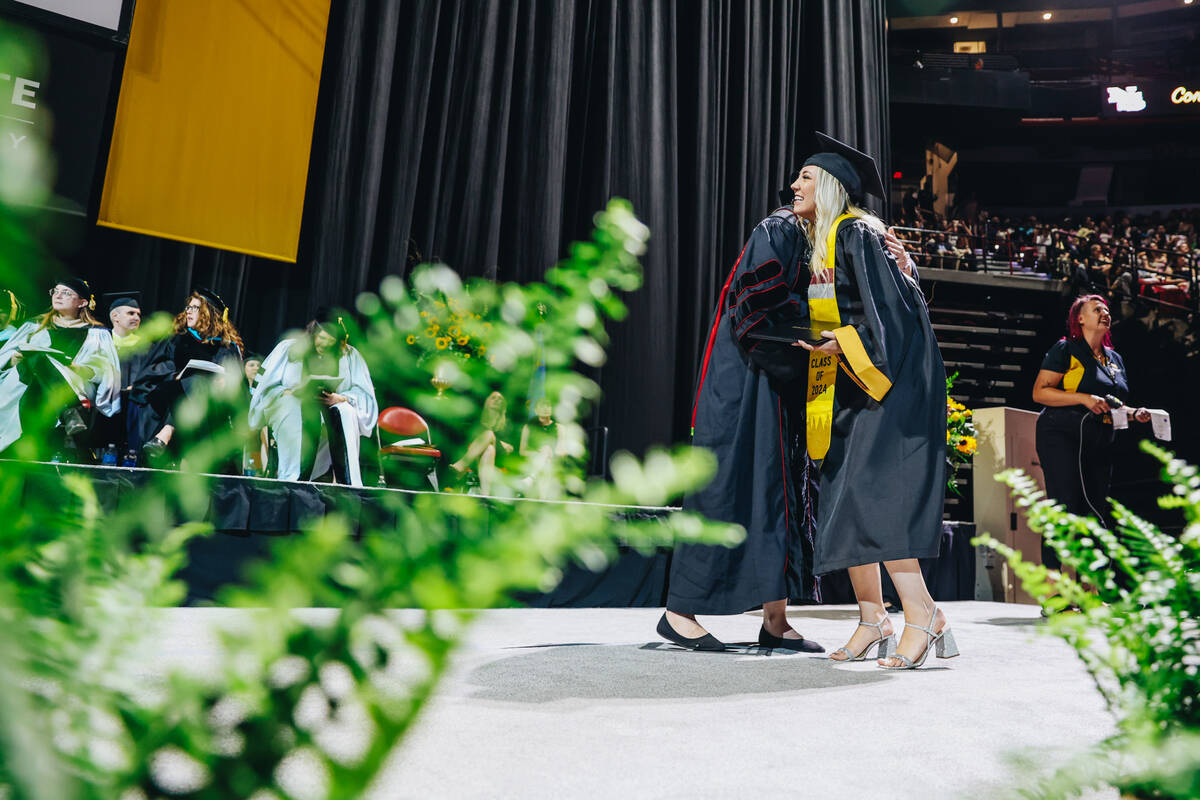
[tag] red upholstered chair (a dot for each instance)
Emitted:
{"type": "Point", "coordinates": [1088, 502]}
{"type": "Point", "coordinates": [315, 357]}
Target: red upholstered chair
{"type": "Point", "coordinates": [413, 444]}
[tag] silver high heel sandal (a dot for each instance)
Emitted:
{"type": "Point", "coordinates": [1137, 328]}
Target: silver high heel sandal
{"type": "Point", "coordinates": [942, 643]}
{"type": "Point", "coordinates": [886, 643]}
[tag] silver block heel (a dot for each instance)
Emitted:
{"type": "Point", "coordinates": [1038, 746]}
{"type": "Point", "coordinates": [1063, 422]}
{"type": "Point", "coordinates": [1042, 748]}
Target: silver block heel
{"type": "Point", "coordinates": [886, 644]}
{"type": "Point", "coordinates": [941, 643]}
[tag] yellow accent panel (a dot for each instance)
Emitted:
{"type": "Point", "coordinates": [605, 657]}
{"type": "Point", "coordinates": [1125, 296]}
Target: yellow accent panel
{"type": "Point", "coordinates": [214, 123]}
{"type": "Point", "coordinates": [1073, 375]}
{"type": "Point", "coordinates": [822, 367]}
{"type": "Point", "coordinates": [869, 376]}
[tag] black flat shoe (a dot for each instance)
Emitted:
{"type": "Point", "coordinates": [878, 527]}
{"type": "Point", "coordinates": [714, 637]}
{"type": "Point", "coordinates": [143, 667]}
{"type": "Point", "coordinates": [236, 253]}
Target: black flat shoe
{"type": "Point", "coordinates": [154, 453]}
{"type": "Point", "coordinates": [707, 642]}
{"type": "Point", "coordinates": [773, 642]}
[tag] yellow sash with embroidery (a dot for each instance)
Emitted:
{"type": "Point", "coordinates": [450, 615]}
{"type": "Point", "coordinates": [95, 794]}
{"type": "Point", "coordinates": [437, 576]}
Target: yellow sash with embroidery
{"type": "Point", "coordinates": [822, 367]}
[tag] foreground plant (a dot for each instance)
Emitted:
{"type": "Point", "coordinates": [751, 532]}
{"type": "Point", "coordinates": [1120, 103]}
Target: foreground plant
{"type": "Point", "coordinates": [302, 705]}
{"type": "Point", "coordinates": [1128, 602]}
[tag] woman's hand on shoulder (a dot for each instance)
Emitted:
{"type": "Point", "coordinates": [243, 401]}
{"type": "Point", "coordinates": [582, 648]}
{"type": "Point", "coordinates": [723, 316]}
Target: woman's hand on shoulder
{"type": "Point", "coordinates": [894, 246]}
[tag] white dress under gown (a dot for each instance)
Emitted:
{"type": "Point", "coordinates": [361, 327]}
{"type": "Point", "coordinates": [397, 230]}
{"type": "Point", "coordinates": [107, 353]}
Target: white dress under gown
{"type": "Point", "coordinates": [103, 388]}
{"type": "Point", "coordinates": [271, 405]}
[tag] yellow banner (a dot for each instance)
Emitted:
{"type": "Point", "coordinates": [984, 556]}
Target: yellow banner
{"type": "Point", "coordinates": [214, 123]}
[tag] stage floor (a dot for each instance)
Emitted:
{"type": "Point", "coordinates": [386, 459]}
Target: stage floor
{"type": "Point", "coordinates": [591, 703]}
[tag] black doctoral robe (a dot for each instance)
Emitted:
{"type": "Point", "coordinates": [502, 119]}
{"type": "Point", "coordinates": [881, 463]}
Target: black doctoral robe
{"type": "Point", "coordinates": [742, 415]}
{"type": "Point", "coordinates": [883, 481]}
{"type": "Point", "coordinates": [157, 391]}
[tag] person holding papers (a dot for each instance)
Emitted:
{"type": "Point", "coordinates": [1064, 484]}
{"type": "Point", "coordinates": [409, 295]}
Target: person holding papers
{"type": "Point", "coordinates": [63, 360]}
{"type": "Point", "coordinates": [203, 344]}
{"type": "Point", "coordinates": [315, 393]}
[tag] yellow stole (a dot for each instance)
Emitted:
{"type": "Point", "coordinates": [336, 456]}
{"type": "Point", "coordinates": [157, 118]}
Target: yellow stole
{"type": "Point", "coordinates": [822, 367]}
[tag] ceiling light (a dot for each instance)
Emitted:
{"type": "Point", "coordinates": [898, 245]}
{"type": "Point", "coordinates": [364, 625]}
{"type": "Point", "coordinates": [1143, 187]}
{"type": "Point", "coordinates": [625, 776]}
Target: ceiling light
{"type": "Point", "coordinates": [1187, 2]}
{"type": "Point", "coordinates": [954, 20]}
{"type": "Point", "coordinates": [1047, 15]}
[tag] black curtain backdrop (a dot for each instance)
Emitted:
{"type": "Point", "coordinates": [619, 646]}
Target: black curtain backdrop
{"type": "Point", "coordinates": [486, 133]}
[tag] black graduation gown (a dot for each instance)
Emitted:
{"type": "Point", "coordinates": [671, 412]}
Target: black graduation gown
{"type": "Point", "coordinates": [883, 481]}
{"type": "Point", "coordinates": [742, 416]}
{"type": "Point", "coordinates": [158, 391]}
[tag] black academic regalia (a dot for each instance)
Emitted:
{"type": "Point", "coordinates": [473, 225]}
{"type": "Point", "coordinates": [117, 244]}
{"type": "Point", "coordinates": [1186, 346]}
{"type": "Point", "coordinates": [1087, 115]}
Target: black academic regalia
{"type": "Point", "coordinates": [883, 481]}
{"type": "Point", "coordinates": [158, 391]}
{"type": "Point", "coordinates": [742, 416]}
{"type": "Point", "coordinates": [141, 372]}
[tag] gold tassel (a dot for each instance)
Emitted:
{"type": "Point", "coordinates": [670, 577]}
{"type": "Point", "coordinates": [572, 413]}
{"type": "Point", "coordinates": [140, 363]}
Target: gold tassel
{"type": "Point", "coordinates": [92, 302]}
{"type": "Point", "coordinates": [225, 314]}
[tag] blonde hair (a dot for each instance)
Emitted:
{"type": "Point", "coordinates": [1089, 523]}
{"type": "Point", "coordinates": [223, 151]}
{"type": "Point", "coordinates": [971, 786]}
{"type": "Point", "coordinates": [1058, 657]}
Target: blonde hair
{"type": "Point", "coordinates": [85, 314]}
{"type": "Point", "coordinates": [831, 201]}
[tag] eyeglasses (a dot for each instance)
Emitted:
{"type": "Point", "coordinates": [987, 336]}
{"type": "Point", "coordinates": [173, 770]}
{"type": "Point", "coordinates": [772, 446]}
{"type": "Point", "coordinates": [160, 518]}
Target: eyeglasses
{"type": "Point", "coordinates": [62, 293]}
{"type": "Point", "coordinates": [192, 307]}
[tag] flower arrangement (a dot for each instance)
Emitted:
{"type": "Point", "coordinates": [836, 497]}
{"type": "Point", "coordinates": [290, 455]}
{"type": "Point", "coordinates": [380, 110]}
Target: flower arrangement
{"type": "Point", "coordinates": [960, 435]}
{"type": "Point", "coordinates": [447, 328]}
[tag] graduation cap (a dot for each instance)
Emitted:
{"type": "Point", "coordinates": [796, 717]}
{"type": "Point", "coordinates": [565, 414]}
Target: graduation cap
{"type": "Point", "coordinates": [115, 300]}
{"type": "Point", "coordinates": [331, 323]}
{"type": "Point", "coordinates": [253, 356]}
{"type": "Point", "coordinates": [80, 287]}
{"type": "Point", "coordinates": [855, 170]}
{"type": "Point", "coordinates": [214, 300]}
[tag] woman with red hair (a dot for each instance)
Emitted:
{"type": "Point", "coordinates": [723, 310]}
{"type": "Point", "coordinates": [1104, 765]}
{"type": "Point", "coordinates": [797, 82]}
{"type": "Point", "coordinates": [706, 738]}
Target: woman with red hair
{"type": "Point", "coordinates": [1075, 430]}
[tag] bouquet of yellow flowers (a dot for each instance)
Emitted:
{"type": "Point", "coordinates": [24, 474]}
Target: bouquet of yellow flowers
{"type": "Point", "coordinates": [960, 436]}
{"type": "Point", "coordinates": [450, 329]}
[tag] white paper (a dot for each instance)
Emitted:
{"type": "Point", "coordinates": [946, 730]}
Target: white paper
{"type": "Point", "coordinates": [1120, 418]}
{"type": "Point", "coordinates": [1160, 421]}
{"type": "Point", "coordinates": [37, 348]}
{"type": "Point", "coordinates": [200, 365]}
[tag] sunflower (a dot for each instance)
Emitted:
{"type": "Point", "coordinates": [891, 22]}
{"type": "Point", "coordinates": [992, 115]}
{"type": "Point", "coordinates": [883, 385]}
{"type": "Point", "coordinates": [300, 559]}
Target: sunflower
{"type": "Point", "coordinates": [432, 330]}
{"type": "Point", "coordinates": [966, 445]}
{"type": "Point", "coordinates": [463, 340]}
{"type": "Point", "coordinates": [454, 331]}
{"type": "Point", "coordinates": [411, 339]}
{"type": "Point", "coordinates": [442, 342]}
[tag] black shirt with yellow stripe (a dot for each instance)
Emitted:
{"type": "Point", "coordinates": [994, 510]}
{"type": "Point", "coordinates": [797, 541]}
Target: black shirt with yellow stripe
{"type": "Point", "coordinates": [1083, 372]}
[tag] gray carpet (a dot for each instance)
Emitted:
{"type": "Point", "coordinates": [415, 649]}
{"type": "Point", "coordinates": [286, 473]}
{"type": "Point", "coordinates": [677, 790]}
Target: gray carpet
{"type": "Point", "coordinates": [590, 703]}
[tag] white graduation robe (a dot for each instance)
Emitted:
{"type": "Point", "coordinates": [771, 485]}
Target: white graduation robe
{"type": "Point", "coordinates": [271, 406]}
{"type": "Point", "coordinates": [103, 389]}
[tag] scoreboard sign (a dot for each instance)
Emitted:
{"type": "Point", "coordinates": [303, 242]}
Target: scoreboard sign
{"type": "Point", "coordinates": [1153, 98]}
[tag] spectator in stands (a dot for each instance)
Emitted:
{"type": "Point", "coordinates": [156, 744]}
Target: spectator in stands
{"type": "Point", "coordinates": [316, 395]}
{"type": "Point", "coordinates": [60, 362]}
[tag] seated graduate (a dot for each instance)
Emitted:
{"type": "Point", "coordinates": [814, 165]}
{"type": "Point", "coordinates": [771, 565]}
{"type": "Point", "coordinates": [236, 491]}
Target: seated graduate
{"type": "Point", "coordinates": [204, 334]}
{"type": "Point", "coordinates": [315, 393]}
{"type": "Point", "coordinates": [251, 366]}
{"type": "Point", "coordinates": [64, 361]}
{"type": "Point", "coordinates": [487, 443]}
{"type": "Point", "coordinates": [11, 312]}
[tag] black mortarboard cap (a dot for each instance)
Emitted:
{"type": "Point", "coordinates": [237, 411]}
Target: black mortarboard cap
{"type": "Point", "coordinates": [253, 356]}
{"type": "Point", "coordinates": [80, 287]}
{"type": "Point", "coordinates": [118, 299]}
{"type": "Point", "coordinates": [211, 297]}
{"type": "Point", "coordinates": [77, 285]}
{"type": "Point", "coordinates": [856, 171]}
